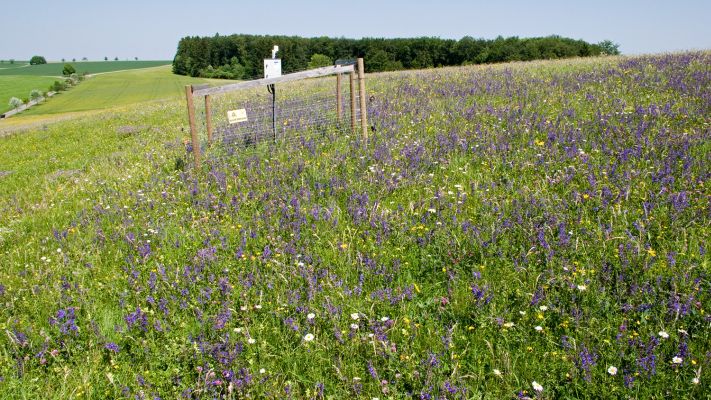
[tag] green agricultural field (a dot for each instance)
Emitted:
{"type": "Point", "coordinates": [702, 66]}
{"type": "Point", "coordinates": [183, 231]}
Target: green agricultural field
{"type": "Point", "coordinates": [117, 89]}
{"type": "Point", "coordinates": [16, 64]}
{"type": "Point", "coordinates": [527, 230]}
{"type": "Point", "coordinates": [90, 67]}
{"type": "Point", "coordinates": [20, 87]}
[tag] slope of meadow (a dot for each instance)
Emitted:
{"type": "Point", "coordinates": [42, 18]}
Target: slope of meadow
{"type": "Point", "coordinates": [523, 230]}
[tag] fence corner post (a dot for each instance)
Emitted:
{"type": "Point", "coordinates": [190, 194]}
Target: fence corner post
{"type": "Point", "coordinates": [363, 107]}
{"type": "Point", "coordinates": [193, 128]}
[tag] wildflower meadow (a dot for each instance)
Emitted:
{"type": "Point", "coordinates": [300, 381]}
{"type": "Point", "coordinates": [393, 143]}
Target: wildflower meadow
{"type": "Point", "coordinates": [526, 230]}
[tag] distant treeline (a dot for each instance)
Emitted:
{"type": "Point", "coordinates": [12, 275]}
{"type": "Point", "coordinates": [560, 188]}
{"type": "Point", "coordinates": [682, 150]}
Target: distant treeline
{"type": "Point", "coordinates": [240, 56]}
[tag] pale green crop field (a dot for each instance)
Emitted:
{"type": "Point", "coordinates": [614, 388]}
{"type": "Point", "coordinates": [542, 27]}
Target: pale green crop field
{"type": "Point", "coordinates": [117, 89]}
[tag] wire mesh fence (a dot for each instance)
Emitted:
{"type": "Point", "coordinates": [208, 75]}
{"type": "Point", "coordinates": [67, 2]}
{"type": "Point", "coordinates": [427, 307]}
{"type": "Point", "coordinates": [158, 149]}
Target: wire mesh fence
{"type": "Point", "coordinates": [284, 114]}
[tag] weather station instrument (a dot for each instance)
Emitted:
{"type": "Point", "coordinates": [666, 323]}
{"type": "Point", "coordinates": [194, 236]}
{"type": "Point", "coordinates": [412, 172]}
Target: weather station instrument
{"type": "Point", "coordinates": [272, 69]}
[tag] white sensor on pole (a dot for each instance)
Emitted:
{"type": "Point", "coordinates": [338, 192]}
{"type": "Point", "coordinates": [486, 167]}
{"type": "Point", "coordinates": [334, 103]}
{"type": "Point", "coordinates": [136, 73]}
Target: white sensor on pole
{"type": "Point", "coordinates": [272, 66]}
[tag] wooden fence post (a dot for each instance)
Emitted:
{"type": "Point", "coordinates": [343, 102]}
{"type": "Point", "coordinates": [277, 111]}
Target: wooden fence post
{"type": "Point", "coordinates": [193, 128]}
{"type": "Point", "coordinates": [353, 102]}
{"type": "Point", "coordinates": [339, 105]}
{"type": "Point", "coordinates": [363, 107]}
{"type": "Point", "coordinates": [208, 119]}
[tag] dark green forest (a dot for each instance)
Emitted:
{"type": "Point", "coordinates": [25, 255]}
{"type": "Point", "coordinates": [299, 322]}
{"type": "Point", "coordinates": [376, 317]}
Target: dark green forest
{"type": "Point", "coordinates": [240, 56]}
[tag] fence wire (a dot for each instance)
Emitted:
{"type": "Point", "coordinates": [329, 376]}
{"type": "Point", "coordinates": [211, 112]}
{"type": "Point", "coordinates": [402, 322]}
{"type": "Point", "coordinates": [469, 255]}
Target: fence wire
{"type": "Point", "coordinates": [304, 110]}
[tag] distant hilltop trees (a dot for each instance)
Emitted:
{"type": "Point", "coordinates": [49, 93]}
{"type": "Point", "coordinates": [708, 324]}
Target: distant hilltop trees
{"type": "Point", "coordinates": [36, 60]}
{"type": "Point", "coordinates": [240, 56]}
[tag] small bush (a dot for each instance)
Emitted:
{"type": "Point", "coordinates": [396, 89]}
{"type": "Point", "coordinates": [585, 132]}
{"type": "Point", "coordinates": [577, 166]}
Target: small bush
{"type": "Point", "coordinates": [68, 70]}
{"type": "Point", "coordinates": [58, 86]}
{"type": "Point", "coordinates": [36, 94]}
{"type": "Point", "coordinates": [319, 60]}
{"type": "Point", "coordinates": [15, 102]}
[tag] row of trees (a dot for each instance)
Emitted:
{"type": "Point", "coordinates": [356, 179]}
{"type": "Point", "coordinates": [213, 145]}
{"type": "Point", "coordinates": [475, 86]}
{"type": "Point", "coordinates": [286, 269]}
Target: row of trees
{"type": "Point", "coordinates": [71, 79]}
{"type": "Point", "coordinates": [240, 56]}
{"type": "Point", "coordinates": [37, 60]}
{"type": "Point", "coordinates": [35, 95]}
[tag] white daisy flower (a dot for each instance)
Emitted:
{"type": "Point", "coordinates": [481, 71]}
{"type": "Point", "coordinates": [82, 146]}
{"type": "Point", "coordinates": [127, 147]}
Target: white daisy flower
{"type": "Point", "coordinates": [537, 386]}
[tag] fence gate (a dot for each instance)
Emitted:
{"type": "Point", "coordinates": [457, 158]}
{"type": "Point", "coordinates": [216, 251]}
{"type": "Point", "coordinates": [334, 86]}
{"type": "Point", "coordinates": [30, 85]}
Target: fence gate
{"type": "Point", "coordinates": [283, 109]}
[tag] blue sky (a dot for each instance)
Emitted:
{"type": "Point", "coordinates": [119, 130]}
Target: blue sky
{"type": "Point", "coordinates": [151, 29]}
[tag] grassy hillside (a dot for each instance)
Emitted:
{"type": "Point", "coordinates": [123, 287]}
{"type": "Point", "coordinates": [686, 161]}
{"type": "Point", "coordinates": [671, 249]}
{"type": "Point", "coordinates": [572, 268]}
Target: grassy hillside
{"type": "Point", "coordinates": [20, 87]}
{"type": "Point", "coordinates": [524, 230]}
{"type": "Point", "coordinates": [90, 67]}
{"type": "Point", "coordinates": [117, 89]}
